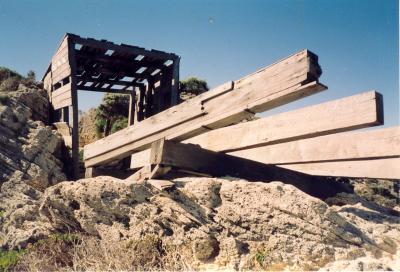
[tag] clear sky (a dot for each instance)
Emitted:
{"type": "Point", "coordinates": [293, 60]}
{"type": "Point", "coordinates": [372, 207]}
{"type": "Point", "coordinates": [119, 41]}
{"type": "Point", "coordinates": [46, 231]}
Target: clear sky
{"type": "Point", "coordinates": [357, 41]}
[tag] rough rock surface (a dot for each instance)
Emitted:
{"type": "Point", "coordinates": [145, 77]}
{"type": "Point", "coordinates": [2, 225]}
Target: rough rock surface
{"type": "Point", "coordinates": [87, 128]}
{"type": "Point", "coordinates": [232, 224]}
{"type": "Point", "coordinates": [28, 164]}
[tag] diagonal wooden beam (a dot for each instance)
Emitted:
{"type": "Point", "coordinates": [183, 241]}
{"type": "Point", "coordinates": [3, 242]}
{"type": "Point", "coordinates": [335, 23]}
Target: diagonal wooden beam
{"type": "Point", "coordinates": [280, 83]}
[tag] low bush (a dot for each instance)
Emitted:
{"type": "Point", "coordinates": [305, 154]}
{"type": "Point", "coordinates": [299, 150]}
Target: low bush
{"type": "Point", "coordinates": [8, 259]}
{"type": "Point", "coordinates": [72, 252]}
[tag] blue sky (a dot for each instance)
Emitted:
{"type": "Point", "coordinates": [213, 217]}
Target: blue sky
{"type": "Point", "coordinates": [220, 40]}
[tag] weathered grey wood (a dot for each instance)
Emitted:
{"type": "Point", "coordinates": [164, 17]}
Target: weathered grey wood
{"type": "Point", "coordinates": [140, 175]}
{"type": "Point", "coordinates": [122, 48]}
{"type": "Point", "coordinates": [380, 143]}
{"type": "Point", "coordinates": [175, 83]}
{"type": "Point", "coordinates": [61, 93]}
{"type": "Point", "coordinates": [387, 168]}
{"type": "Point", "coordinates": [349, 113]}
{"type": "Point", "coordinates": [193, 158]}
{"type": "Point", "coordinates": [150, 126]}
{"type": "Point", "coordinates": [271, 86]}
{"type": "Point", "coordinates": [132, 106]}
{"type": "Point", "coordinates": [74, 110]}
{"type": "Point", "coordinates": [62, 104]}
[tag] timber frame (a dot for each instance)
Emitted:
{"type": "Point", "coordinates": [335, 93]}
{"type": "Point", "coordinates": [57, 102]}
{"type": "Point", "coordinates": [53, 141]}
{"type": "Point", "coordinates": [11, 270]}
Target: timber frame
{"type": "Point", "coordinates": [150, 77]}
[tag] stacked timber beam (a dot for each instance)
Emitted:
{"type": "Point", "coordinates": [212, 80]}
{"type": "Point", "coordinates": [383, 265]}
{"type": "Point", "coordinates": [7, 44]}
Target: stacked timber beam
{"type": "Point", "coordinates": [282, 82]}
{"type": "Point", "coordinates": [299, 140]}
{"type": "Point", "coordinates": [204, 135]}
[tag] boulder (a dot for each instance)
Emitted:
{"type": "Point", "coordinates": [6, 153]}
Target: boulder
{"type": "Point", "coordinates": [232, 224]}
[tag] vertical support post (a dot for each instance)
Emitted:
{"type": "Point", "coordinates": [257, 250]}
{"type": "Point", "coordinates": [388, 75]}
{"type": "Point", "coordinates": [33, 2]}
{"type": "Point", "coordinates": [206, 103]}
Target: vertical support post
{"type": "Point", "coordinates": [132, 102]}
{"type": "Point", "coordinates": [74, 110]}
{"type": "Point", "coordinates": [149, 100]}
{"type": "Point", "coordinates": [175, 82]}
{"type": "Point", "coordinates": [139, 111]}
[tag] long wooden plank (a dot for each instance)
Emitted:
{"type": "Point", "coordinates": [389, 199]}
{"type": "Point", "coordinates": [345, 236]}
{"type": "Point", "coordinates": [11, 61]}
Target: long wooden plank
{"type": "Point", "coordinates": [380, 143]}
{"type": "Point", "coordinates": [375, 168]}
{"type": "Point", "coordinates": [60, 92]}
{"type": "Point", "coordinates": [283, 79]}
{"type": "Point", "coordinates": [176, 132]}
{"type": "Point", "coordinates": [64, 103]}
{"type": "Point", "coordinates": [159, 122]}
{"type": "Point", "coordinates": [192, 158]}
{"type": "Point", "coordinates": [353, 112]}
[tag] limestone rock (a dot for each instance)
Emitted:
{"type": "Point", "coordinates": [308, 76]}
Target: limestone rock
{"type": "Point", "coordinates": [231, 224]}
{"type": "Point", "coordinates": [29, 163]}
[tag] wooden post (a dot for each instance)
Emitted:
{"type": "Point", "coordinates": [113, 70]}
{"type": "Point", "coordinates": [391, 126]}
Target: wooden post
{"type": "Point", "coordinates": [149, 101]}
{"type": "Point", "coordinates": [74, 111]}
{"type": "Point", "coordinates": [175, 83]}
{"type": "Point", "coordinates": [140, 104]}
{"type": "Point", "coordinates": [132, 103]}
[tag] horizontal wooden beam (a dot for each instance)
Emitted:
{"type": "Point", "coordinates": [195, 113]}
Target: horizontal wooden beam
{"type": "Point", "coordinates": [388, 168]}
{"type": "Point", "coordinates": [380, 143]}
{"type": "Point", "coordinates": [118, 61]}
{"type": "Point", "coordinates": [194, 159]}
{"type": "Point", "coordinates": [105, 90]}
{"type": "Point", "coordinates": [122, 48]}
{"type": "Point", "coordinates": [349, 113]}
{"type": "Point", "coordinates": [283, 82]}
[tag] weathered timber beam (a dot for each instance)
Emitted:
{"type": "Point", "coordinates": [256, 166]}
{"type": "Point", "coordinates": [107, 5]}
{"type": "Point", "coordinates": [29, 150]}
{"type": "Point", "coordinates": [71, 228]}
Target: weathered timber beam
{"type": "Point", "coordinates": [349, 113]}
{"type": "Point", "coordinates": [275, 85]}
{"type": "Point", "coordinates": [122, 48]}
{"type": "Point", "coordinates": [380, 143]}
{"type": "Point", "coordinates": [96, 81]}
{"type": "Point", "coordinates": [105, 90]}
{"type": "Point", "coordinates": [118, 61]}
{"type": "Point", "coordinates": [385, 168]}
{"type": "Point", "coordinates": [193, 158]}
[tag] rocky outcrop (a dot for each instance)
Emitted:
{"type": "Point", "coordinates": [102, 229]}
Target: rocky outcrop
{"type": "Point", "coordinates": [29, 163]}
{"type": "Point", "coordinates": [232, 224]}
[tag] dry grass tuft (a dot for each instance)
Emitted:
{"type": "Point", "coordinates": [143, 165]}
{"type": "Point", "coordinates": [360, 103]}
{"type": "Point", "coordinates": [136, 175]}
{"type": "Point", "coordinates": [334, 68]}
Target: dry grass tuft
{"type": "Point", "coordinates": [82, 253]}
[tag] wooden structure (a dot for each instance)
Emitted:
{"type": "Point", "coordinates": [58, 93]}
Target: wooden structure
{"type": "Point", "coordinates": [150, 77]}
{"type": "Point", "coordinates": [285, 81]}
{"type": "Point", "coordinates": [310, 141]}
{"type": "Point", "coordinates": [205, 135]}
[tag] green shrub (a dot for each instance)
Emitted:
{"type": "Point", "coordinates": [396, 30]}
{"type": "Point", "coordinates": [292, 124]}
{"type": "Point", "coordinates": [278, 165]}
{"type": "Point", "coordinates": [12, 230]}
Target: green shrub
{"type": "Point", "coordinates": [193, 85]}
{"type": "Point", "coordinates": [260, 258]}
{"type": "Point", "coordinates": [81, 155]}
{"type": "Point", "coordinates": [9, 258]}
{"type": "Point", "coordinates": [100, 124]}
{"type": "Point", "coordinates": [119, 124]}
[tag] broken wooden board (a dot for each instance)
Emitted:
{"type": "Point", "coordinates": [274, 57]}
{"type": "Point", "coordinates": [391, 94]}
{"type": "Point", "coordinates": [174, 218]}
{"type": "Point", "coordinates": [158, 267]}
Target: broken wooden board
{"type": "Point", "coordinates": [388, 168]}
{"type": "Point", "coordinates": [161, 184]}
{"type": "Point", "coordinates": [353, 112]}
{"type": "Point", "coordinates": [373, 144]}
{"type": "Point", "coordinates": [280, 83]}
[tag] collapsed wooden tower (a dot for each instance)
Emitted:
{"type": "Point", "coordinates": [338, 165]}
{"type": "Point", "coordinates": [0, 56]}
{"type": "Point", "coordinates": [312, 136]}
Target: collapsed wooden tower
{"type": "Point", "coordinates": [205, 134]}
{"type": "Point", "coordinates": [150, 77]}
